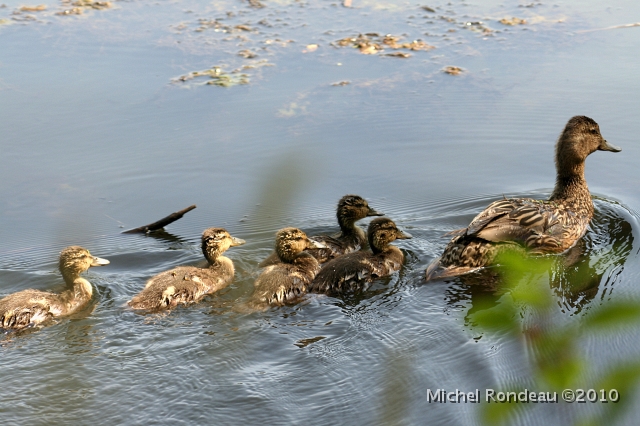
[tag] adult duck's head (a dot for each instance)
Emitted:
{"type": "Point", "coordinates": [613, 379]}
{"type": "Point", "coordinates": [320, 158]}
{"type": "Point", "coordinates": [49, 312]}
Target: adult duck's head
{"type": "Point", "coordinates": [580, 137]}
{"type": "Point", "coordinates": [74, 260]}
{"type": "Point", "coordinates": [382, 231]}
{"type": "Point", "coordinates": [290, 242]}
{"type": "Point", "coordinates": [352, 208]}
{"type": "Point", "coordinates": [216, 241]}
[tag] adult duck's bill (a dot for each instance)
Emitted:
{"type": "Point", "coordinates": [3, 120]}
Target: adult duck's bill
{"type": "Point", "coordinates": [606, 146]}
{"type": "Point", "coordinates": [97, 261]}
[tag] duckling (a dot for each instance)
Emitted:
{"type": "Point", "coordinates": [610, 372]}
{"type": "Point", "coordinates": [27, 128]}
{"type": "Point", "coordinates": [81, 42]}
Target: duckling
{"type": "Point", "coordinates": [189, 284]}
{"type": "Point", "coordinates": [352, 271]}
{"type": "Point", "coordinates": [351, 208]}
{"type": "Point", "coordinates": [536, 226]}
{"type": "Point", "coordinates": [287, 280]}
{"type": "Point", "coordinates": [32, 307]}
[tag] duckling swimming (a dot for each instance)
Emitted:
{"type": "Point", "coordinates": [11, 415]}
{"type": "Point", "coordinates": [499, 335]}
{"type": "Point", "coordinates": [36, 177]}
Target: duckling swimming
{"type": "Point", "coordinates": [189, 284]}
{"type": "Point", "coordinates": [32, 307]}
{"type": "Point", "coordinates": [286, 281]}
{"type": "Point", "coordinates": [352, 271]}
{"type": "Point", "coordinates": [538, 226]}
{"type": "Point", "coordinates": [351, 208]}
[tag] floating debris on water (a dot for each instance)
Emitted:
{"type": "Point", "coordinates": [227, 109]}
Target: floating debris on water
{"type": "Point", "coordinates": [247, 54]}
{"type": "Point", "coordinates": [372, 43]}
{"type": "Point", "coordinates": [219, 77]}
{"type": "Point", "coordinates": [451, 70]}
{"type": "Point", "coordinates": [341, 83]}
{"type": "Point", "coordinates": [81, 5]}
{"type": "Point", "coordinates": [428, 9]}
{"type": "Point", "coordinates": [310, 48]}
{"type": "Point", "coordinates": [398, 55]}
{"type": "Point", "coordinates": [38, 8]}
{"type": "Point", "coordinates": [512, 21]}
{"type": "Point", "coordinates": [256, 4]}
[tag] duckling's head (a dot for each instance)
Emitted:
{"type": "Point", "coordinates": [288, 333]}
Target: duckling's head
{"type": "Point", "coordinates": [216, 241]}
{"type": "Point", "coordinates": [382, 231]}
{"type": "Point", "coordinates": [352, 208]}
{"type": "Point", "coordinates": [290, 242]}
{"type": "Point", "coordinates": [74, 260]}
{"type": "Point", "coordinates": [580, 137]}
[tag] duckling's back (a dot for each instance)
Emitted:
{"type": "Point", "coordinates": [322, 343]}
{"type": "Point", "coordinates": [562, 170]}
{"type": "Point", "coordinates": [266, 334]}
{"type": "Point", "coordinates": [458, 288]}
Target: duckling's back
{"type": "Point", "coordinates": [183, 285]}
{"type": "Point", "coordinates": [353, 271]}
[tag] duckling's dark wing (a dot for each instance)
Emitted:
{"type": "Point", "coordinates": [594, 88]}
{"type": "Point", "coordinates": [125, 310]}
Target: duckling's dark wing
{"type": "Point", "coordinates": [352, 271]}
{"type": "Point", "coordinates": [530, 222]}
{"type": "Point", "coordinates": [180, 286]}
{"type": "Point", "coordinates": [336, 245]}
{"type": "Point", "coordinates": [28, 307]}
{"type": "Point", "coordinates": [280, 284]}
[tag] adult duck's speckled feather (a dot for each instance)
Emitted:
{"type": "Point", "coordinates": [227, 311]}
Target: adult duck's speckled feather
{"type": "Point", "coordinates": [32, 307]}
{"type": "Point", "coordinates": [189, 284]}
{"type": "Point", "coordinates": [537, 226]}
{"type": "Point", "coordinates": [286, 281]}
{"type": "Point", "coordinates": [351, 208]}
{"type": "Point", "coordinates": [352, 271]}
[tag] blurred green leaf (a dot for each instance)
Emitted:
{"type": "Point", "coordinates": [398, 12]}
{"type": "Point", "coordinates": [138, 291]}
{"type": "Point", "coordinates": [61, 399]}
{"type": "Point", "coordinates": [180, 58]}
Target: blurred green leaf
{"type": "Point", "coordinates": [613, 314]}
{"type": "Point", "coordinates": [500, 317]}
{"type": "Point", "coordinates": [498, 413]}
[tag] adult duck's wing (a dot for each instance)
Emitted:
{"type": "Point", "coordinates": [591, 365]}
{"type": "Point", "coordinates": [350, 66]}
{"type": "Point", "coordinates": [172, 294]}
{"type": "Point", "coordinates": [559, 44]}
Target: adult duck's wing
{"type": "Point", "coordinates": [518, 220]}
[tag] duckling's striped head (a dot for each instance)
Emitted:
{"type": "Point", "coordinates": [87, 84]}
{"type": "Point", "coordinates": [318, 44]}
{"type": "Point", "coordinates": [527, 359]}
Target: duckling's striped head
{"type": "Point", "coordinates": [352, 208]}
{"type": "Point", "coordinates": [292, 241]}
{"type": "Point", "coordinates": [216, 241]}
{"type": "Point", "coordinates": [382, 231]}
{"type": "Point", "coordinates": [75, 259]}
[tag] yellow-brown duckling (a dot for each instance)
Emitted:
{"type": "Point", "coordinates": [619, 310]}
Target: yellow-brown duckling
{"type": "Point", "coordinates": [189, 284]}
{"type": "Point", "coordinates": [351, 208]}
{"type": "Point", "coordinates": [287, 280]}
{"type": "Point", "coordinates": [352, 271]}
{"type": "Point", "coordinates": [537, 226]}
{"type": "Point", "coordinates": [32, 307]}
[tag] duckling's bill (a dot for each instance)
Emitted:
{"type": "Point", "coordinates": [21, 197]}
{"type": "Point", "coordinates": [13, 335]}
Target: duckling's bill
{"type": "Point", "coordinates": [237, 241]}
{"type": "Point", "coordinates": [373, 212]}
{"type": "Point", "coordinates": [402, 235]}
{"type": "Point", "coordinates": [98, 261]}
{"type": "Point", "coordinates": [315, 244]}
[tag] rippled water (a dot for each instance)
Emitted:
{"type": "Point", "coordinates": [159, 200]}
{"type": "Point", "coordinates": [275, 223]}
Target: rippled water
{"type": "Point", "coordinates": [98, 137]}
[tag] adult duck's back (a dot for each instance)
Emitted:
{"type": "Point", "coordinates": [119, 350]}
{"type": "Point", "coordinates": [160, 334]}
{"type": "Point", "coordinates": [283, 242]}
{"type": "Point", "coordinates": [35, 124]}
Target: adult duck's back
{"type": "Point", "coordinates": [535, 226]}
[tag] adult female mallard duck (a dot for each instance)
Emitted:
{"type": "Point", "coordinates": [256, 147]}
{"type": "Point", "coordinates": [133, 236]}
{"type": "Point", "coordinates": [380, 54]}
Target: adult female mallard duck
{"type": "Point", "coordinates": [189, 284]}
{"type": "Point", "coordinates": [32, 307]}
{"type": "Point", "coordinates": [537, 226]}
{"type": "Point", "coordinates": [287, 280]}
{"type": "Point", "coordinates": [351, 271]}
{"type": "Point", "coordinates": [351, 208]}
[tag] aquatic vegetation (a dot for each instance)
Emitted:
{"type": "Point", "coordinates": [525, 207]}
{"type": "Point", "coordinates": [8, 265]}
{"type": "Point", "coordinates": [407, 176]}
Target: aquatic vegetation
{"type": "Point", "coordinates": [451, 70]}
{"type": "Point", "coordinates": [528, 308]}
{"type": "Point", "coordinates": [372, 43]}
{"type": "Point", "coordinates": [217, 77]}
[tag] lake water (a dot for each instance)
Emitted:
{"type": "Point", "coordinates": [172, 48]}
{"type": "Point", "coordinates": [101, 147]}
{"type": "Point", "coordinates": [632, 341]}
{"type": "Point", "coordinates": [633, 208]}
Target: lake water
{"type": "Point", "coordinates": [99, 134]}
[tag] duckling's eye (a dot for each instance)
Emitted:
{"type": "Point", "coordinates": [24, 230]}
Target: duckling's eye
{"type": "Point", "coordinates": [594, 131]}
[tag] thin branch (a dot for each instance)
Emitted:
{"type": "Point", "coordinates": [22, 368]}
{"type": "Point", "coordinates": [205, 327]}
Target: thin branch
{"type": "Point", "coordinates": [161, 223]}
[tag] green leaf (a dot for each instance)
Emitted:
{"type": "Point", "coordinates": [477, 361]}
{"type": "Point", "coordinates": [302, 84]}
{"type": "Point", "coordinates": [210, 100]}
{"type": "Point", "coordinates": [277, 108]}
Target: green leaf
{"type": "Point", "coordinates": [612, 314]}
